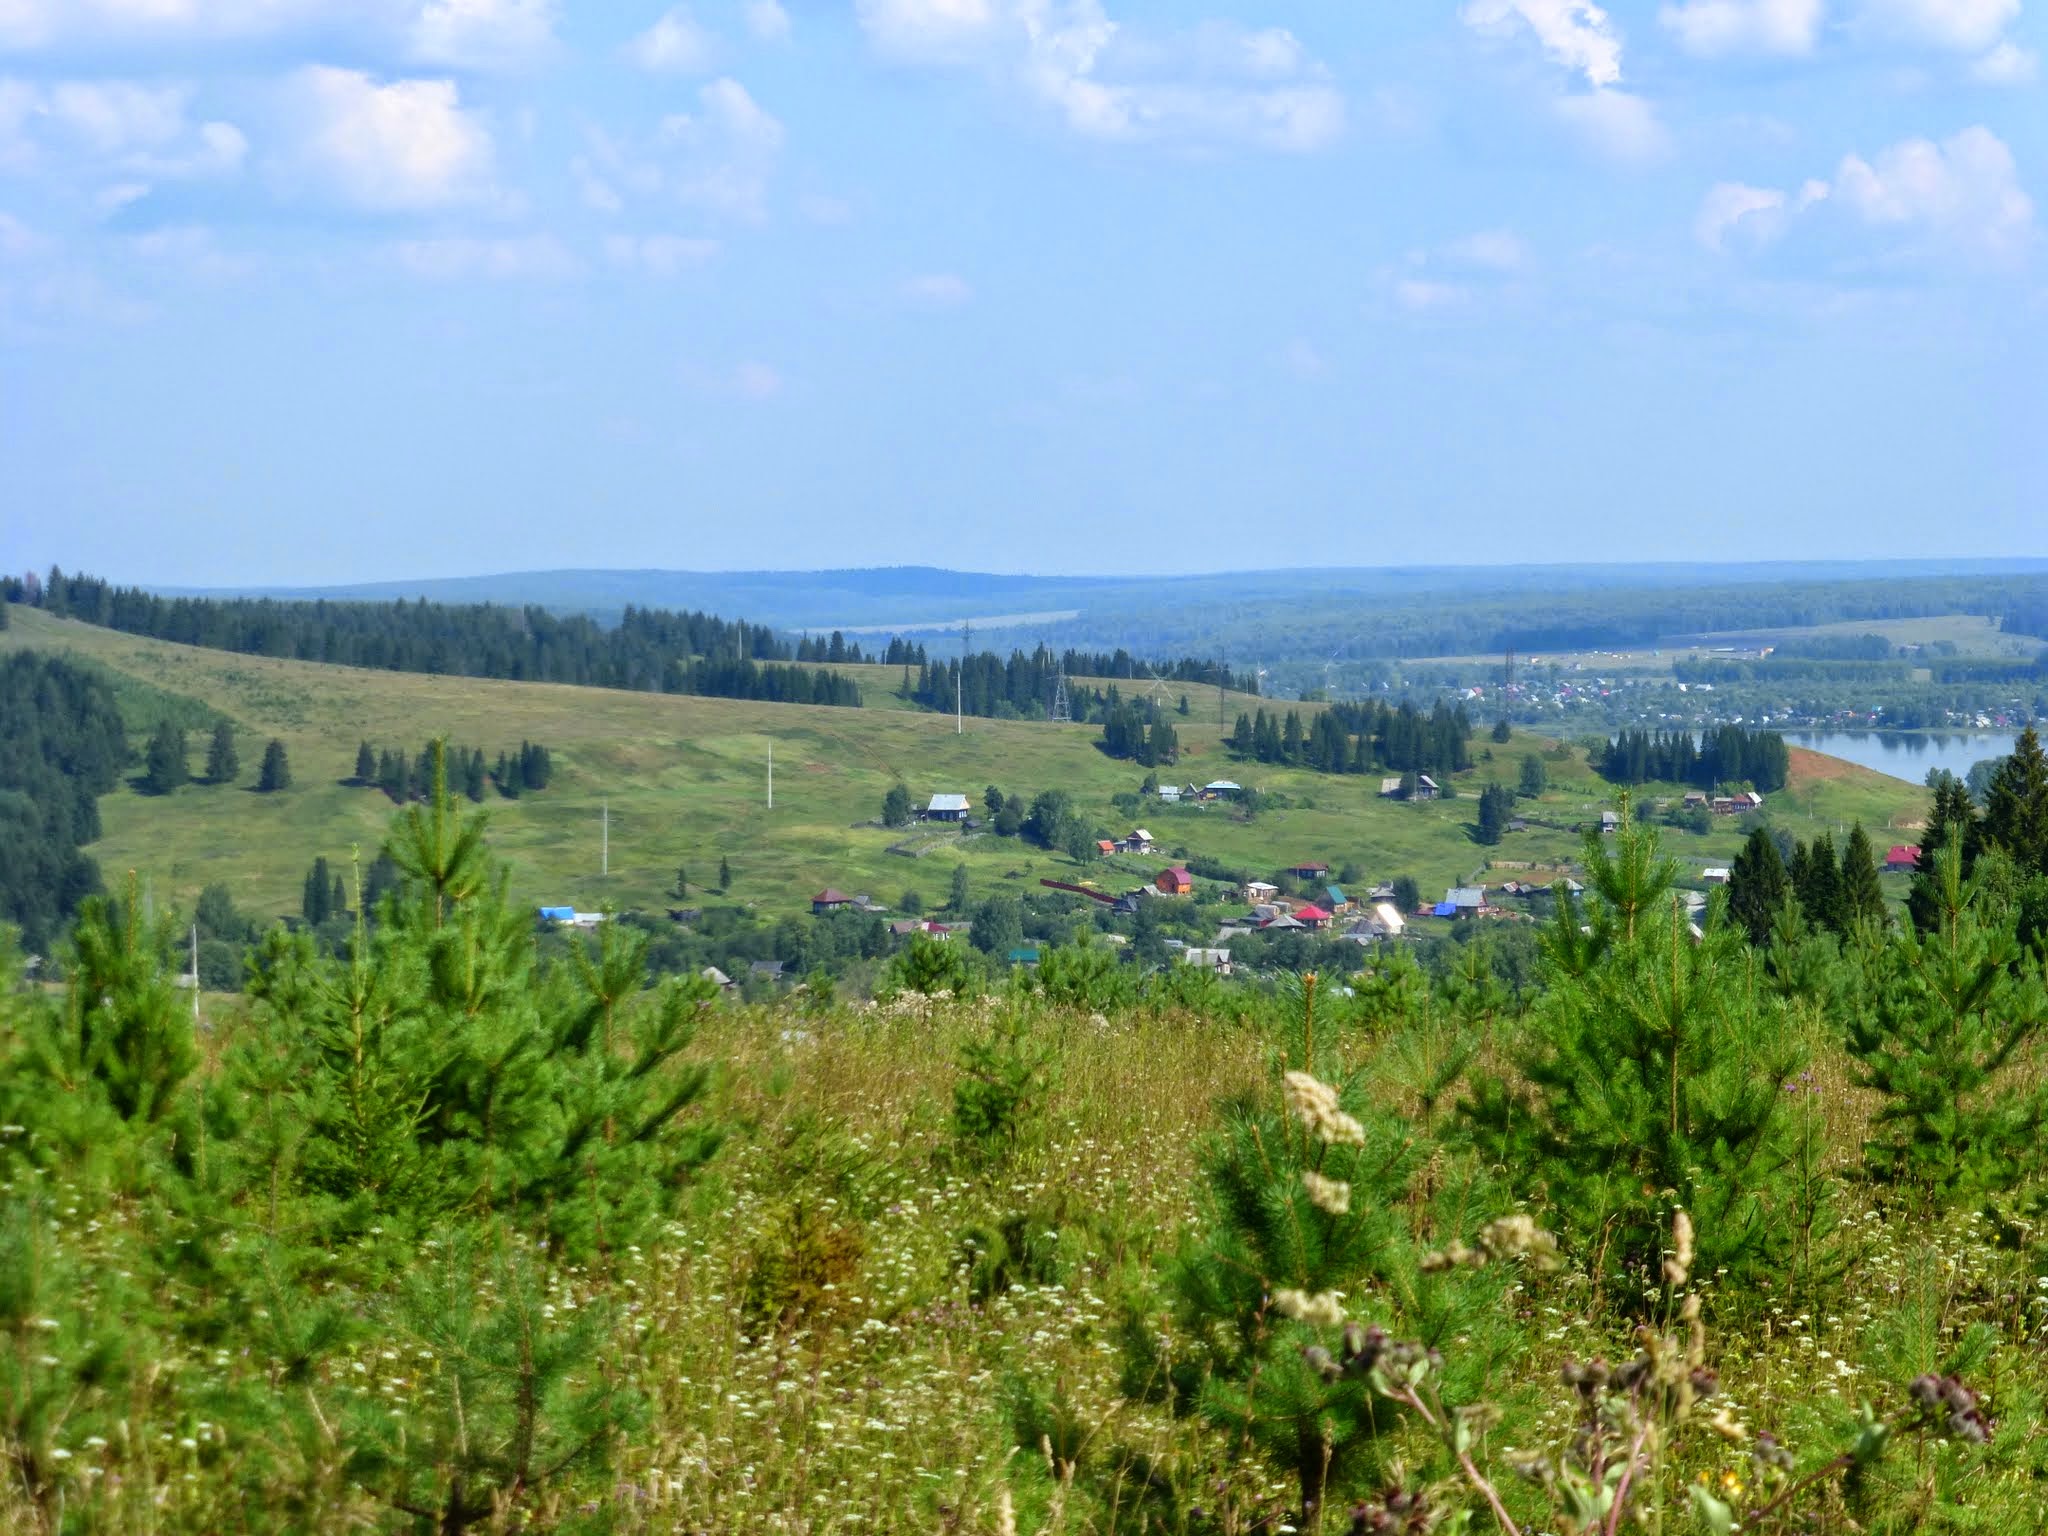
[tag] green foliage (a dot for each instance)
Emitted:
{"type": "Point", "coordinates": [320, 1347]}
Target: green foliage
{"type": "Point", "coordinates": [1758, 886]}
{"type": "Point", "coordinates": [62, 744]}
{"type": "Point", "coordinates": [1951, 821]}
{"type": "Point", "coordinates": [164, 764]}
{"type": "Point", "coordinates": [2016, 806]}
{"type": "Point", "coordinates": [1005, 1076]}
{"type": "Point", "coordinates": [1535, 777]}
{"type": "Point", "coordinates": [222, 762]}
{"type": "Point", "coordinates": [1862, 891]}
{"type": "Point", "coordinates": [929, 965]}
{"type": "Point", "coordinates": [1937, 1026]}
{"type": "Point", "coordinates": [896, 806]}
{"type": "Point", "coordinates": [1650, 1074]}
{"type": "Point", "coordinates": [1496, 809]}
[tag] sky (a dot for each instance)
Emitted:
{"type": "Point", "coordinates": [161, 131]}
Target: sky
{"type": "Point", "coordinates": [305, 291]}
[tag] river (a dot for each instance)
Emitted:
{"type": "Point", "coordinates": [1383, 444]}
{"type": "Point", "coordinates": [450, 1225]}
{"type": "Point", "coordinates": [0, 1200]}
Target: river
{"type": "Point", "coordinates": [1908, 755]}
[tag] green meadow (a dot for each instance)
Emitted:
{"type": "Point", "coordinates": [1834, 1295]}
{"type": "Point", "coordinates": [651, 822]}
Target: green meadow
{"type": "Point", "coordinates": [685, 782]}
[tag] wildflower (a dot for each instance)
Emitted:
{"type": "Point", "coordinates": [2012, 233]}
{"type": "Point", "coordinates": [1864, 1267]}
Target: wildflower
{"type": "Point", "coordinates": [1678, 1264]}
{"type": "Point", "coordinates": [1325, 1309]}
{"type": "Point", "coordinates": [1518, 1237]}
{"type": "Point", "coordinates": [1332, 1195]}
{"type": "Point", "coordinates": [1315, 1105]}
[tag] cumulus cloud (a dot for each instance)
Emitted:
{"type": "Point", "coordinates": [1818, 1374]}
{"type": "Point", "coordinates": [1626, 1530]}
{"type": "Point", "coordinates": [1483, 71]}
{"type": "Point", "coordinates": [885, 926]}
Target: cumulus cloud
{"type": "Point", "coordinates": [2007, 64]}
{"type": "Point", "coordinates": [674, 45]}
{"type": "Point", "coordinates": [1964, 190]}
{"type": "Point", "coordinates": [459, 256]}
{"type": "Point", "coordinates": [659, 255]}
{"type": "Point", "coordinates": [1617, 124]}
{"type": "Point", "coordinates": [1217, 83]}
{"type": "Point", "coordinates": [1574, 33]}
{"type": "Point", "coordinates": [1964, 25]}
{"type": "Point", "coordinates": [937, 290]}
{"type": "Point", "coordinates": [720, 157]}
{"type": "Point", "coordinates": [405, 145]}
{"type": "Point", "coordinates": [1420, 294]}
{"type": "Point", "coordinates": [482, 34]}
{"type": "Point", "coordinates": [1712, 28]}
{"type": "Point", "coordinates": [1496, 250]}
{"type": "Point", "coordinates": [121, 125]}
{"type": "Point", "coordinates": [767, 20]}
{"type": "Point", "coordinates": [1961, 196]}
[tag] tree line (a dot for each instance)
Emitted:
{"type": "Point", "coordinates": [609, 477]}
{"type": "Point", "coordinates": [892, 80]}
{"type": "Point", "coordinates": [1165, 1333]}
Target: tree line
{"type": "Point", "coordinates": [62, 745]}
{"type": "Point", "coordinates": [1729, 754]}
{"type": "Point", "coordinates": [1022, 685]}
{"type": "Point", "coordinates": [1137, 729]}
{"type": "Point", "coordinates": [405, 777]}
{"type": "Point", "coordinates": [167, 760]}
{"type": "Point", "coordinates": [651, 650]}
{"type": "Point", "coordinates": [1370, 737]}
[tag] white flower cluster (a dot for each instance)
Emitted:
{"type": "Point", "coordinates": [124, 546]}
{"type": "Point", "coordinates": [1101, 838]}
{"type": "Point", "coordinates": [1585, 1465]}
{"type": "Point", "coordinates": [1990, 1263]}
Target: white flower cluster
{"type": "Point", "coordinates": [1314, 1104]}
{"type": "Point", "coordinates": [1325, 1309]}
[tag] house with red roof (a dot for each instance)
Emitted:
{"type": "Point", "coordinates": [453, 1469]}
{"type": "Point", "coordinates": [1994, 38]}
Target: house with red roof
{"type": "Point", "coordinates": [829, 900]}
{"type": "Point", "coordinates": [1903, 856]}
{"type": "Point", "coordinates": [1312, 916]}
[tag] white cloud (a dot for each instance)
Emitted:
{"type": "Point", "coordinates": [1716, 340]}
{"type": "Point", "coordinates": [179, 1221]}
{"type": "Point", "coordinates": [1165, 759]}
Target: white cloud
{"type": "Point", "coordinates": [1574, 33]}
{"type": "Point", "coordinates": [938, 290]}
{"type": "Point", "coordinates": [17, 240]}
{"type": "Point", "coordinates": [1617, 124]}
{"type": "Point", "coordinates": [1303, 360]}
{"type": "Point", "coordinates": [725, 153]}
{"type": "Point", "coordinates": [1962, 197]}
{"type": "Point", "coordinates": [482, 34]}
{"type": "Point", "coordinates": [1217, 83]}
{"type": "Point", "coordinates": [143, 130]}
{"type": "Point", "coordinates": [659, 255]}
{"type": "Point", "coordinates": [2007, 64]}
{"type": "Point", "coordinates": [1731, 207]}
{"type": "Point", "coordinates": [674, 45]}
{"type": "Point", "coordinates": [1423, 294]}
{"type": "Point", "coordinates": [1964, 25]}
{"type": "Point", "coordinates": [767, 20]}
{"type": "Point", "coordinates": [517, 256]}
{"type": "Point", "coordinates": [1964, 191]}
{"type": "Point", "coordinates": [1712, 28]}
{"type": "Point", "coordinates": [189, 251]}
{"type": "Point", "coordinates": [1496, 250]}
{"type": "Point", "coordinates": [406, 145]}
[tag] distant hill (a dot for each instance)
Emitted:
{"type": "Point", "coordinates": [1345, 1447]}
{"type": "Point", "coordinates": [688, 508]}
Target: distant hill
{"type": "Point", "coordinates": [1097, 609]}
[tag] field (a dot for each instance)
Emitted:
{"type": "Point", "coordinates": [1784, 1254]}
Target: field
{"type": "Point", "coordinates": [685, 783]}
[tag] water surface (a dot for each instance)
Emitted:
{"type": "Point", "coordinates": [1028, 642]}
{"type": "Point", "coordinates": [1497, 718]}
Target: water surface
{"type": "Point", "coordinates": [1908, 755]}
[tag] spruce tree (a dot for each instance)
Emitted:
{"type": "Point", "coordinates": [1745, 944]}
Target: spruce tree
{"type": "Point", "coordinates": [221, 762]}
{"type": "Point", "coordinates": [2016, 807]}
{"type": "Point", "coordinates": [956, 893]}
{"type": "Point", "coordinates": [316, 902]}
{"type": "Point", "coordinates": [1951, 819]}
{"type": "Point", "coordinates": [1817, 882]}
{"type": "Point", "coordinates": [276, 773]}
{"type": "Point", "coordinates": [1757, 886]}
{"type": "Point", "coordinates": [164, 765]}
{"type": "Point", "coordinates": [474, 779]}
{"type": "Point", "coordinates": [1862, 892]}
{"type": "Point", "coordinates": [724, 875]}
{"type": "Point", "coordinates": [366, 764]}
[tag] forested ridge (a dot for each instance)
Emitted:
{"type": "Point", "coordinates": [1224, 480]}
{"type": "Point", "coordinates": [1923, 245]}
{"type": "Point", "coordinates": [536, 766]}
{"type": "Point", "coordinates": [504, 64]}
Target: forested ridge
{"type": "Point", "coordinates": [62, 745]}
{"type": "Point", "coordinates": [650, 650]}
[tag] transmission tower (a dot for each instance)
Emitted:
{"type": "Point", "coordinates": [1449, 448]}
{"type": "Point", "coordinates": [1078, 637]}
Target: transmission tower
{"type": "Point", "coordinates": [1062, 714]}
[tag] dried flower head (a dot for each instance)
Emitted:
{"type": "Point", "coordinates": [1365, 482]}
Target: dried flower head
{"type": "Point", "coordinates": [1332, 1195]}
{"type": "Point", "coordinates": [1325, 1309]}
{"type": "Point", "coordinates": [1678, 1265]}
{"type": "Point", "coordinates": [1315, 1105]}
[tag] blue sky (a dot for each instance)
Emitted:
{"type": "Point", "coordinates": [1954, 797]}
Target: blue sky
{"type": "Point", "coordinates": [318, 290]}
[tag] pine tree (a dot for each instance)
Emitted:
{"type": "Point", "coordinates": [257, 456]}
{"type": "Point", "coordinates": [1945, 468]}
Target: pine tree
{"type": "Point", "coordinates": [221, 762]}
{"type": "Point", "coordinates": [1502, 731]}
{"type": "Point", "coordinates": [956, 895]}
{"type": "Point", "coordinates": [1862, 891]}
{"type": "Point", "coordinates": [1939, 1030]}
{"type": "Point", "coordinates": [316, 902]}
{"type": "Point", "coordinates": [276, 773]}
{"type": "Point", "coordinates": [681, 889]}
{"type": "Point", "coordinates": [1535, 777]}
{"type": "Point", "coordinates": [724, 875]}
{"type": "Point", "coordinates": [473, 776]}
{"type": "Point", "coordinates": [366, 765]}
{"type": "Point", "coordinates": [1758, 886]}
{"type": "Point", "coordinates": [2016, 807]}
{"type": "Point", "coordinates": [433, 845]}
{"type": "Point", "coordinates": [1951, 820]}
{"type": "Point", "coordinates": [1652, 1077]}
{"type": "Point", "coordinates": [164, 765]}
{"type": "Point", "coordinates": [1496, 806]}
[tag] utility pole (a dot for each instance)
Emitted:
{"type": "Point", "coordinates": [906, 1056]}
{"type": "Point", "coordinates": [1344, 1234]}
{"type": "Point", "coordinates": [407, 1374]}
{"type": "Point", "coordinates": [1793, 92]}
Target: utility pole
{"type": "Point", "coordinates": [959, 679]}
{"type": "Point", "coordinates": [195, 975]}
{"type": "Point", "coordinates": [771, 775]}
{"type": "Point", "coordinates": [605, 855]}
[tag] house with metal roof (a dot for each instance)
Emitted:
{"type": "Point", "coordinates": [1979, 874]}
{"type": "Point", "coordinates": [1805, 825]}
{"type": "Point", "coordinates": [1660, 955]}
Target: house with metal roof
{"type": "Point", "coordinates": [946, 808]}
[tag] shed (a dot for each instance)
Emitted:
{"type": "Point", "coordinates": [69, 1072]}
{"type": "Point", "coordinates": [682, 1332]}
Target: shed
{"type": "Point", "coordinates": [1465, 900]}
{"type": "Point", "coordinates": [829, 900]}
{"type": "Point", "coordinates": [558, 914]}
{"type": "Point", "coordinates": [1390, 786]}
{"type": "Point", "coordinates": [1169, 794]}
{"type": "Point", "coordinates": [1309, 871]}
{"type": "Point", "coordinates": [1715, 874]}
{"type": "Point", "coordinates": [715, 976]}
{"type": "Point", "coordinates": [1389, 916]}
{"type": "Point", "coordinates": [1222, 789]}
{"type": "Point", "coordinates": [946, 808]}
{"type": "Point", "coordinates": [1336, 900]}
{"type": "Point", "coordinates": [1256, 891]}
{"type": "Point", "coordinates": [1426, 788]}
{"type": "Point", "coordinates": [1175, 882]}
{"type": "Point", "coordinates": [766, 970]}
{"type": "Point", "coordinates": [1024, 955]}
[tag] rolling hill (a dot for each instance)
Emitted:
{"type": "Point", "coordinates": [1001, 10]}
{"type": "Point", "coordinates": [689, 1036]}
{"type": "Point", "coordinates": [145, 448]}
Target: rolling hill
{"type": "Point", "coordinates": [684, 779]}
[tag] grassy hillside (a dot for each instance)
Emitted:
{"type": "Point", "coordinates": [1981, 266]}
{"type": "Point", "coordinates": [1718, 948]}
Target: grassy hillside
{"type": "Point", "coordinates": [685, 782]}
